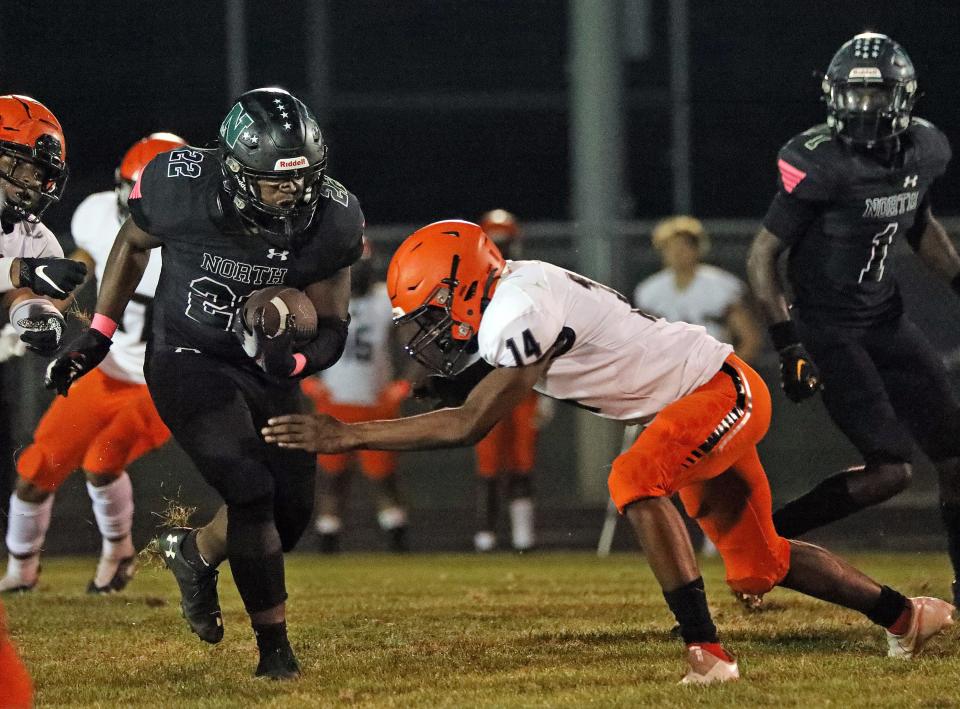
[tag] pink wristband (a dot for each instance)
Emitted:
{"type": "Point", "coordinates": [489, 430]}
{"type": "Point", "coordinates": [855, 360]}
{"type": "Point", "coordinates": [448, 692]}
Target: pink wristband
{"type": "Point", "coordinates": [300, 361]}
{"type": "Point", "coordinates": [103, 325]}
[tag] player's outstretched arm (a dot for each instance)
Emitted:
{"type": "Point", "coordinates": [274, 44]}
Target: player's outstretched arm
{"type": "Point", "coordinates": [496, 395]}
{"type": "Point", "coordinates": [125, 266]}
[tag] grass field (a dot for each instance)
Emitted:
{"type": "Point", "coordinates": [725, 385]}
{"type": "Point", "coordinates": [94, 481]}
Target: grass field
{"type": "Point", "coordinates": [545, 630]}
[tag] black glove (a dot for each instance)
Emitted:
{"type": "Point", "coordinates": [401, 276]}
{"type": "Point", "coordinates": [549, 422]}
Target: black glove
{"type": "Point", "coordinates": [799, 376]}
{"type": "Point", "coordinates": [42, 333]}
{"type": "Point", "coordinates": [81, 355]}
{"type": "Point", "coordinates": [274, 355]}
{"type": "Point", "coordinates": [53, 277]}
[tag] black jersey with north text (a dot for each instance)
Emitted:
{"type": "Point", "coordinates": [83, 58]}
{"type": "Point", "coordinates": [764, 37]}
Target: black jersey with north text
{"type": "Point", "coordinates": [840, 208]}
{"type": "Point", "coordinates": [211, 262]}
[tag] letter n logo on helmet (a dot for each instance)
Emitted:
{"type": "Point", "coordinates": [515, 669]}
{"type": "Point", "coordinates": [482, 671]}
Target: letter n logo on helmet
{"type": "Point", "coordinates": [237, 121]}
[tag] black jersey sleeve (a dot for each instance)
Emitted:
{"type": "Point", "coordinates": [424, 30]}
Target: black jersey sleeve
{"type": "Point", "coordinates": [935, 152]}
{"type": "Point", "coordinates": [141, 207]}
{"type": "Point", "coordinates": [805, 184]}
{"type": "Point", "coordinates": [171, 192]}
{"type": "Point", "coordinates": [338, 230]}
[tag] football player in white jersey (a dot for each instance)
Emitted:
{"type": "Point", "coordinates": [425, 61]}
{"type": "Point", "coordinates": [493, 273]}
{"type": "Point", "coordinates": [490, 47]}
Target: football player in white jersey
{"type": "Point", "coordinates": [513, 326]}
{"type": "Point", "coordinates": [33, 173]}
{"type": "Point", "coordinates": [697, 293]}
{"type": "Point", "coordinates": [361, 386]}
{"type": "Point", "coordinates": [109, 419]}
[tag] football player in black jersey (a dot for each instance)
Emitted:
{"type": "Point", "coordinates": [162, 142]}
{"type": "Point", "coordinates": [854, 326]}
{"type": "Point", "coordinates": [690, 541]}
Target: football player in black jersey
{"type": "Point", "coordinates": [847, 189]}
{"type": "Point", "coordinates": [256, 212]}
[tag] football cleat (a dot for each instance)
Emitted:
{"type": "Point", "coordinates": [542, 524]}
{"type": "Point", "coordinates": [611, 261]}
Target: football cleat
{"type": "Point", "coordinates": [199, 603]}
{"type": "Point", "coordinates": [125, 570]}
{"type": "Point", "coordinates": [22, 575]}
{"type": "Point", "coordinates": [14, 584]}
{"type": "Point", "coordinates": [279, 663]}
{"type": "Point", "coordinates": [397, 540]}
{"type": "Point", "coordinates": [930, 617]}
{"type": "Point", "coordinates": [703, 667]}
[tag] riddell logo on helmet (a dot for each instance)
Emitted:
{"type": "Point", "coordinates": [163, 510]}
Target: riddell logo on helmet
{"type": "Point", "coordinates": [865, 72]}
{"type": "Point", "coordinates": [291, 163]}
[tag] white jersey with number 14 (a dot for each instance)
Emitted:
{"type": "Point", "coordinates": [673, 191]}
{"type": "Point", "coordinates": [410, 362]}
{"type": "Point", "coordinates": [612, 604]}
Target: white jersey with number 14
{"type": "Point", "coordinates": [619, 363]}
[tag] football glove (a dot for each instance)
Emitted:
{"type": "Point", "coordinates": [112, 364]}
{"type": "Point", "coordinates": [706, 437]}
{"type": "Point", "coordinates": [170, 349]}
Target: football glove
{"type": "Point", "coordinates": [80, 356]}
{"type": "Point", "coordinates": [53, 277]}
{"type": "Point", "coordinates": [799, 376]}
{"type": "Point", "coordinates": [274, 355]}
{"type": "Point", "coordinates": [42, 333]}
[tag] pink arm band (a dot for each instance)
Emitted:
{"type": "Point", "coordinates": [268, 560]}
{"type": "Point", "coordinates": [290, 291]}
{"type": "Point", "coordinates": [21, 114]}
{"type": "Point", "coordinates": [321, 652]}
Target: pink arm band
{"type": "Point", "coordinates": [300, 361]}
{"type": "Point", "coordinates": [103, 325]}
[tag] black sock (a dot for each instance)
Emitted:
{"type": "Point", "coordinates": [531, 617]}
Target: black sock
{"type": "Point", "coordinates": [950, 513]}
{"type": "Point", "coordinates": [191, 552]}
{"type": "Point", "coordinates": [827, 502]}
{"type": "Point", "coordinates": [270, 636]}
{"type": "Point", "coordinates": [689, 606]}
{"type": "Point", "coordinates": [888, 608]}
{"type": "Point", "coordinates": [488, 508]}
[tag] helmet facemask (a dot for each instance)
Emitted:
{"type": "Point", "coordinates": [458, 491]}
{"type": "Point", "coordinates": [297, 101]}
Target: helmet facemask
{"type": "Point", "coordinates": [279, 226]}
{"type": "Point", "coordinates": [867, 113]}
{"type": "Point", "coordinates": [46, 157]}
{"type": "Point", "coordinates": [440, 343]}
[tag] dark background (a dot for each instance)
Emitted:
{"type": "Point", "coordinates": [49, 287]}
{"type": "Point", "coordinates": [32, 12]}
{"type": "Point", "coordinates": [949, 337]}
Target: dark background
{"type": "Point", "coordinates": [115, 70]}
{"type": "Point", "coordinates": [446, 108]}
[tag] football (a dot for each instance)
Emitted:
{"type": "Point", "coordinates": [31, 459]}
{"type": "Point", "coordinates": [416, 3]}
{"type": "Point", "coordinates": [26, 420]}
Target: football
{"type": "Point", "coordinates": [278, 302]}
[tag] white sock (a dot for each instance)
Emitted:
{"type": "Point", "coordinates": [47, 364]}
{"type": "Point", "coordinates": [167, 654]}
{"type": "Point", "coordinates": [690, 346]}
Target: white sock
{"type": "Point", "coordinates": [521, 523]}
{"type": "Point", "coordinates": [328, 524]}
{"type": "Point", "coordinates": [113, 508]}
{"type": "Point", "coordinates": [26, 530]}
{"type": "Point", "coordinates": [392, 518]}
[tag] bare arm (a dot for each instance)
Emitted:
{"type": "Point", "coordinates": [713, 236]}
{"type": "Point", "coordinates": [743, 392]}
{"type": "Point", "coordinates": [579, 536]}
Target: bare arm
{"type": "Point", "coordinates": [937, 251]}
{"type": "Point", "coordinates": [497, 394]}
{"type": "Point", "coordinates": [125, 266]}
{"type": "Point", "coordinates": [763, 276]}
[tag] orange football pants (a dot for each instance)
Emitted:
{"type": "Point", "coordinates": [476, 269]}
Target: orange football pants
{"type": "Point", "coordinates": [102, 426]}
{"type": "Point", "coordinates": [704, 446]}
{"type": "Point", "coordinates": [16, 690]}
{"type": "Point", "coordinates": [511, 445]}
{"type": "Point", "coordinates": [375, 465]}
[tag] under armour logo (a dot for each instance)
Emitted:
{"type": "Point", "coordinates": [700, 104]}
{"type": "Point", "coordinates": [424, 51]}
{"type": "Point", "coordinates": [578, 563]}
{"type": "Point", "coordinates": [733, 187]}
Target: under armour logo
{"type": "Point", "coordinates": [273, 253]}
{"type": "Point", "coordinates": [171, 552]}
{"type": "Point", "coordinates": [910, 181]}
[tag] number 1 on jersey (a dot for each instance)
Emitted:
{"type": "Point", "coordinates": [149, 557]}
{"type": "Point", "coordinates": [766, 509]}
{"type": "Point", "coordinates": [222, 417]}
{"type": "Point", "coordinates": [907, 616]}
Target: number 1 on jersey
{"type": "Point", "coordinates": [873, 271]}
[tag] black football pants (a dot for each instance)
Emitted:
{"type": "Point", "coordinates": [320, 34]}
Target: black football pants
{"type": "Point", "coordinates": [215, 410]}
{"type": "Point", "coordinates": [885, 386]}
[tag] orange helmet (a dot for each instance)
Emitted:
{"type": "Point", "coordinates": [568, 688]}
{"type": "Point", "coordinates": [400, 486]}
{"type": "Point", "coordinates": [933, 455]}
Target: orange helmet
{"type": "Point", "coordinates": [31, 135]}
{"type": "Point", "coordinates": [441, 278]}
{"type": "Point", "coordinates": [137, 157]}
